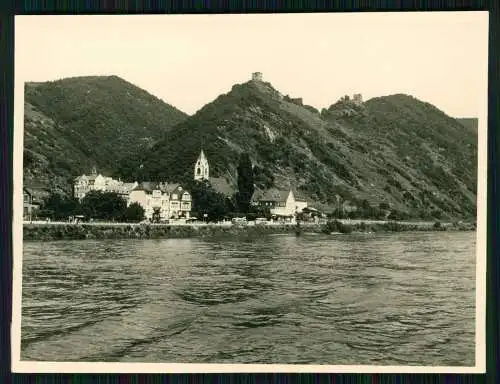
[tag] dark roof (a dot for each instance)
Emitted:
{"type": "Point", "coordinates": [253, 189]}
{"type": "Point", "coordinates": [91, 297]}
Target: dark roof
{"type": "Point", "coordinates": [36, 193]}
{"type": "Point", "coordinates": [179, 191]}
{"type": "Point", "coordinates": [147, 186]}
{"type": "Point", "coordinates": [150, 186]}
{"type": "Point", "coordinates": [274, 195]}
{"type": "Point", "coordinates": [221, 186]}
{"type": "Point", "coordinates": [169, 187]}
{"type": "Point", "coordinates": [298, 195]}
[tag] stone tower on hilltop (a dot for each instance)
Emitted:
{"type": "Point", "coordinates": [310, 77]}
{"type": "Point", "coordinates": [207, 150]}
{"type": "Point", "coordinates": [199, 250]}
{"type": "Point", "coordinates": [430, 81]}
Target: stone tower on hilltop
{"type": "Point", "coordinates": [257, 76]}
{"type": "Point", "coordinates": [201, 168]}
{"type": "Point", "coordinates": [357, 99]}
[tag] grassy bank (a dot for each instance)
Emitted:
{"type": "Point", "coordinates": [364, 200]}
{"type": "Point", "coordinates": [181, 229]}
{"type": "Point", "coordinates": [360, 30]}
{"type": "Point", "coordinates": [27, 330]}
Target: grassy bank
{"type": "Point", "coordinates": [42, 232]}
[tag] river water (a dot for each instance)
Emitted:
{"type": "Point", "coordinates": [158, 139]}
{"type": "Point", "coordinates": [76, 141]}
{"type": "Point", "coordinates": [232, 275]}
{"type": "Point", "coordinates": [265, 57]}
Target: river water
{"type": "Point", "coordinates": [376, 299]}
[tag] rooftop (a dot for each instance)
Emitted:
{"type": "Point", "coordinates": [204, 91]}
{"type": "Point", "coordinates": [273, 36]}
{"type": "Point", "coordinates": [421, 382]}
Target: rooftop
{"type": "Point", "coordinates": [272, 194]}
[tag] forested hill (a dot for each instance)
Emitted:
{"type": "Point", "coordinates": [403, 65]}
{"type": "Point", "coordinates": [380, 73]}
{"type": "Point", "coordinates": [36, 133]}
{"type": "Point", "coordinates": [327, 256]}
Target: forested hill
{"type": "Point", "coordinates": [469, 122]}
{"type": "Point", "coordinates": [73, 124]}
{"type": "Point", "coordinates": [394, 150]}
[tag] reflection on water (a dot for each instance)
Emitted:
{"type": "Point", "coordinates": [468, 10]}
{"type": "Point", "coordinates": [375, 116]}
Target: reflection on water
{"type": "Point", "coordinates": [385, 299]}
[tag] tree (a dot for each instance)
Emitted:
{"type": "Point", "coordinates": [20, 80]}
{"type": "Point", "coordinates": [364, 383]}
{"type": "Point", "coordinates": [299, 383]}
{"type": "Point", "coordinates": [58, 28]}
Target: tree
{"type": "Point", "coordinates": [365, 205]}
{"type": "Point", "coordinates": [134, 213]}
{"type": "Point", "coordinates": [384, 206]}
{"type": "Point", "coordinates": [245, 183]}
{"type": "Point", "coordinates": [156, 215]}
{"type": "Point", "coordinates": [104, 205]}
{"type": "Point", "coordinates": [208, 201]}
{"type": "Point", "coordinates": [61, 207]}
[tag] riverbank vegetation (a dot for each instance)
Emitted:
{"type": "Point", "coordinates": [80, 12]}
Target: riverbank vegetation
{"type": "Point", "coordinates": [97, 205]}
{"type": "Point", "coordinates": [47, 232]}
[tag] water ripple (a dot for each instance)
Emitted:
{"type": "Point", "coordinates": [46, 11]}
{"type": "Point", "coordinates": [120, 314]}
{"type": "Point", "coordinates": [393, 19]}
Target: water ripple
{"type": "Point", "coordinates": [380, 299]}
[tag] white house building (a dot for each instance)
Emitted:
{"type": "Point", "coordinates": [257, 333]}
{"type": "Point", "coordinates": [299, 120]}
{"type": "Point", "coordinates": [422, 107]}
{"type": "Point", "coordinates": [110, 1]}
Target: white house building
{"type": "Point", "coordinates": [300, 205]}
{"type": "Point", "coordinates": [280, 203]}
{"type": "Point", "coordinates": [96, 182]}
{"type": "Point", "coordinates": [170, 200]}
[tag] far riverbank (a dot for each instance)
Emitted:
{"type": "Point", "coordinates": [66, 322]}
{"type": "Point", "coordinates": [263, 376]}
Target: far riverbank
{"type": "Point", "coordinates": [66, 231]}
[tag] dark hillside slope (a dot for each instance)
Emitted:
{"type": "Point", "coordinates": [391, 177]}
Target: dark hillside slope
{"type": "Point", "coordinates": [470, 122]}
{"type": "Point", "coordinates": [395, 150]}
{"type": "Point", "coordinates": [73, 124]}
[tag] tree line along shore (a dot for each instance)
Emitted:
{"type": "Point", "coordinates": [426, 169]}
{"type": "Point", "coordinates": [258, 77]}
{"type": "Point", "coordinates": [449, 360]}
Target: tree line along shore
{"type": "Point", "coordinates": [67, 231]}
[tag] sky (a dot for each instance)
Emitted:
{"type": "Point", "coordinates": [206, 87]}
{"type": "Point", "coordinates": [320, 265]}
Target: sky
{"type": "Point", "coordinates": [188, 60]}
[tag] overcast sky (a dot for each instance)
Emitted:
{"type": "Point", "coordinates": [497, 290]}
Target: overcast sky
{"type": "Point", "coordinates": [188, 60]}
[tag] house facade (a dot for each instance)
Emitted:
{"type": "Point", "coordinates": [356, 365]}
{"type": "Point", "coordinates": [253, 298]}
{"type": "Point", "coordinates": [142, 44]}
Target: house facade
{"type": "Point", "coordinates": [30, 205]}
{"type": "Point", "coordinates": [180, 203]}
{"type": "Point", "coordinates": [171, 201]}
{"type": "Point", "coordinates": [300, 201]}
{"type": "Point", "coordinates": [300, 205]}
{"type": "Point", "coordinates": [280, 203]}
{"type": "Point", "coordinates": [96, 182]}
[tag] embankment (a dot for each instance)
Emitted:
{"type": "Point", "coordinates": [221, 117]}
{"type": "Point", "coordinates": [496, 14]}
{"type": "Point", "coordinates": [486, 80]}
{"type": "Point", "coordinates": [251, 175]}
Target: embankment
{"type": "Point", "coordinates": [48, 232]}
{"type": "Point", "coordinates": [45, 232]}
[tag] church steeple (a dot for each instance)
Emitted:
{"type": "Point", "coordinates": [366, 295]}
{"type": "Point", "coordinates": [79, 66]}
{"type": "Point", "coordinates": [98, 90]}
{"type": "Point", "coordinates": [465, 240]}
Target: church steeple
{"type": "Point", "coordinates": [201, 168]}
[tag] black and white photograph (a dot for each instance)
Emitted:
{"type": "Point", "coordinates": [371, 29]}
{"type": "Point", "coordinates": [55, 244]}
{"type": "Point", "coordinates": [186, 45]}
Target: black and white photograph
{"type": "Point", "coordinates": [250, 193]}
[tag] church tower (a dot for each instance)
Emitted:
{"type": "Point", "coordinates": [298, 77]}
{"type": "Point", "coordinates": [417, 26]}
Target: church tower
{"type": "Point", "coordinates": [201, 169]}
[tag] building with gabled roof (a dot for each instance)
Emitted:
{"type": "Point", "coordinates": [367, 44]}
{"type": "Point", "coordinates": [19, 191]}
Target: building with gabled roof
{"type": "Point", "coordinates": [95, 182]}
{"type": "Point", "coordinates": [281, 203]}
{"type": "Point", "coordinates": [170, 200]}
{"type": "Point", "coordinates": [201, 167]}
{"type": "Point", "coordinates": [32, 200]}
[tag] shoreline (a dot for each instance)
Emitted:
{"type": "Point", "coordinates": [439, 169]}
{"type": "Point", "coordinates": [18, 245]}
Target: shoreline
{"type": "Point", "coordinates": [93, 231]}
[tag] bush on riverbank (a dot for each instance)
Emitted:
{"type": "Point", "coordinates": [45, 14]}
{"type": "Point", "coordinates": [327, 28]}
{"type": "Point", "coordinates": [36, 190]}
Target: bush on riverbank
{"type": "Point", "coordinates": [336, 226]}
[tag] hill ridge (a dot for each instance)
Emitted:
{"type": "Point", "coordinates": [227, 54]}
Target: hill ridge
{"type": "Point", "coordinates": [387, 149]}
{"type": "Point", "coordinates": [88, 120]}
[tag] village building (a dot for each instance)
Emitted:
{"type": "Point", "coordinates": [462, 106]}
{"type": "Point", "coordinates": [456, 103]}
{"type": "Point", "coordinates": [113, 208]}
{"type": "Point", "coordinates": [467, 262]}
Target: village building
{"type": "Point", "coordinates": [201, 168]}
{"type": "Point", "coordinates": [126, 188]}
{"type": "Point", "coordinates": [85, 183]}
{"type": "Point", "coordinates": [219, 184]}
{"type": "Point", "coordinates": [171, 201]}
{"type": "Point", "coordinates": [300, 201]}
{"type": "Point", "coordinates": [96, 182]}
{"type": "Point", "coordinates": [180, 203]}
{"type": "Point", "coordinates": [31, 203]}
{"type": "Point", "coordinates": [281, 203]}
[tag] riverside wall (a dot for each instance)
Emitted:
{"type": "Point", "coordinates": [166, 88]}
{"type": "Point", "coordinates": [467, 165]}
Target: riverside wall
{"type": "Point", "coordinates": [66, 231]}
